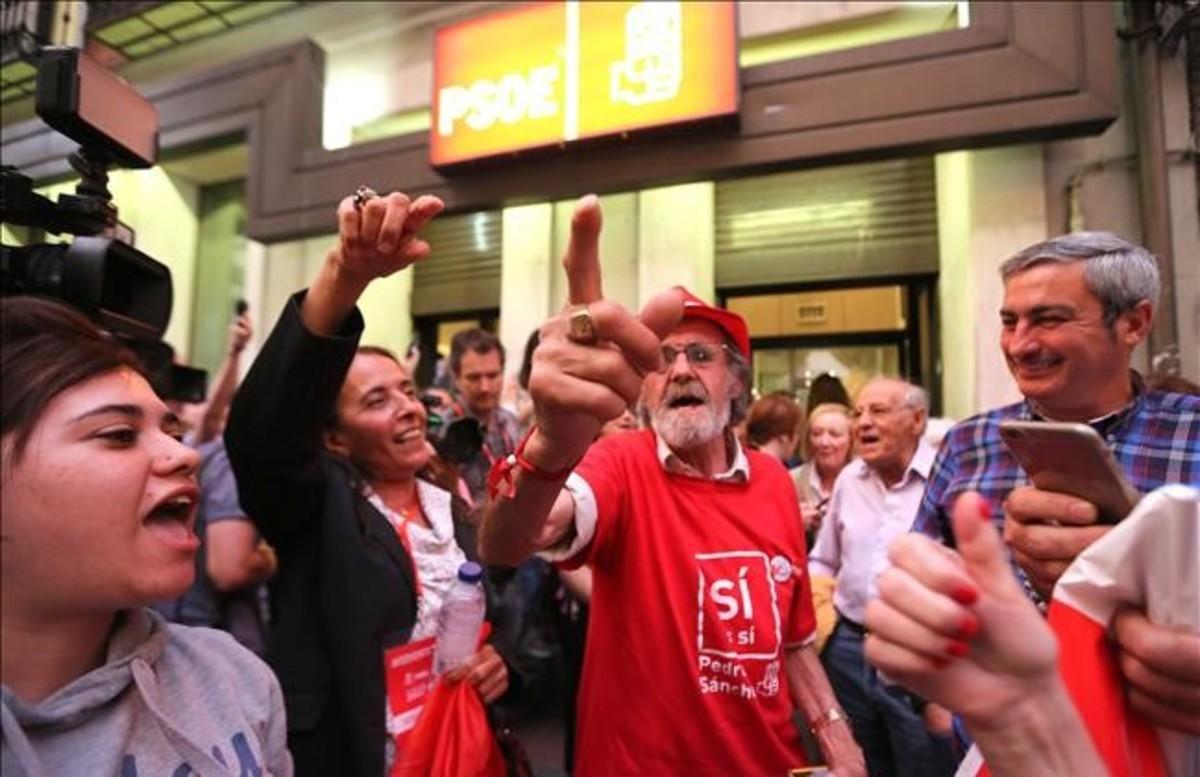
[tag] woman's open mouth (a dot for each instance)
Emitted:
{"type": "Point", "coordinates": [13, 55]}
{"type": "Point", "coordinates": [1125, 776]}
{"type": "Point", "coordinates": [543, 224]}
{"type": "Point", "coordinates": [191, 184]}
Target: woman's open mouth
{"type": "Point", "coordinates": [171, 520]}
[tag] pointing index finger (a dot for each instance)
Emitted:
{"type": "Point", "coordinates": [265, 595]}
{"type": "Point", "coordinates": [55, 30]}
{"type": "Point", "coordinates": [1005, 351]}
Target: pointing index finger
{"type": "Point", "coordinates": [582, 258]}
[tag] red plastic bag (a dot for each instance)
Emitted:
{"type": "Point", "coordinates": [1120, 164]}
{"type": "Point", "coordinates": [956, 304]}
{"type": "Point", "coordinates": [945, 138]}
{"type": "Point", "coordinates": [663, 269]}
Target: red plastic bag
{"type": "Point", "coordinates": [452, 737]}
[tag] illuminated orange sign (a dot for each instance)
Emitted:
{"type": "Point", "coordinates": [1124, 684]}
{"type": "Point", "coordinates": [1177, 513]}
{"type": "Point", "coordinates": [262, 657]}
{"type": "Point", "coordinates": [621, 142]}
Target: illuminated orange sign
{"type": "Point", "coordinates": [555, 72]}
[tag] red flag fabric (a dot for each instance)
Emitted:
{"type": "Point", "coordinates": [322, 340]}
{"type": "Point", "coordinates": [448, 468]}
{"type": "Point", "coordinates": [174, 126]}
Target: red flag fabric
{"type": "Point", "coordinates": [1088, 666]}
{"type": "Point", "coordinates": [1151, 560]}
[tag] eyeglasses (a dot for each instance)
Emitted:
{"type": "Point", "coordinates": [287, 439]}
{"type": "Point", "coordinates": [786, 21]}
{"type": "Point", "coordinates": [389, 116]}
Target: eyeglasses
{"type": "Point", "coordinates": [698, 354]}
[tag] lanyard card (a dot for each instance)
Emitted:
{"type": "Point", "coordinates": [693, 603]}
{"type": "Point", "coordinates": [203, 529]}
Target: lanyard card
{"type": "Point", "coordinates": [409, 675]}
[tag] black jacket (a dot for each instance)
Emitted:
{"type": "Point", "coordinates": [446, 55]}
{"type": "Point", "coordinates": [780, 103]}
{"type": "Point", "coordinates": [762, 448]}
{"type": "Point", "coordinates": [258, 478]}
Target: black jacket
{"type": "Point", "coordinates": [344, 590]}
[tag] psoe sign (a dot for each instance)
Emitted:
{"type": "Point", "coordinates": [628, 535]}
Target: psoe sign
{"type": "Point", "coordinates": [551, 73]}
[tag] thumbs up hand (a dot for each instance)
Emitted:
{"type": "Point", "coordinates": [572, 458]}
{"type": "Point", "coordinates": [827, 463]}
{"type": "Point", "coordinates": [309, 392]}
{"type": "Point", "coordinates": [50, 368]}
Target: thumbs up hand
{"type": "Point", "coordinates": [956, 627]}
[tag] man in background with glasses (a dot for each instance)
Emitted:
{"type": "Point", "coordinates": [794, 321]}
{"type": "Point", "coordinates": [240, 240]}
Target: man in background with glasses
{"type": "Point", "coordinates": [700, 635]}
{"type": "Point", "coordinates": [874, 500]}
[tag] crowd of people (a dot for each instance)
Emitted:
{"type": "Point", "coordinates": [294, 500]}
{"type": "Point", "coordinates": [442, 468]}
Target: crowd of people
{"type": "Point", "coordinates": [747, 587]}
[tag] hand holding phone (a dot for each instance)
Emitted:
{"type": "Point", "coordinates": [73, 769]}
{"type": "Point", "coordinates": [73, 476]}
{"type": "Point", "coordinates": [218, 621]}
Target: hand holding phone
{"type": "Point", "coordinates": [240, 331]}
{"type": "Point", "coordinates": [1071, 459]}
{"type": "Point", "coordinates": [1078, 491]}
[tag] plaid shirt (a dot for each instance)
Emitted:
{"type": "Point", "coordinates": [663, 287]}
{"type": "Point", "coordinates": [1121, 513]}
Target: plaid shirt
{"type": "Point", "coordinates": [1155, 439]}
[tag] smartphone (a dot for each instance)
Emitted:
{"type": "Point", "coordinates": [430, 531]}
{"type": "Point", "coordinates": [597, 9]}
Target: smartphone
{"type": "Point", "coordinates": [1071, 459]}
{"type": "Point", "coordinates": [810, 771]}
{"type": "Point", "coordinates": [240, 307]}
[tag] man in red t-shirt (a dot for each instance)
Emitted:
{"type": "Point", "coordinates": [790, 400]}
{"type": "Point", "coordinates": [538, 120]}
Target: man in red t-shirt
{"type": "Point", "coordinates": [700, 634]}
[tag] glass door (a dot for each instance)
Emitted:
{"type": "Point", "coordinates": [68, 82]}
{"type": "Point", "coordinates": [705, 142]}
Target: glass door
{"type": "Point", "coordinates": [791, 369]}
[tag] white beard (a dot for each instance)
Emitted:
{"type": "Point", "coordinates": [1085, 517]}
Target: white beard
{"type": "Point", "coordinates": [682, 430]}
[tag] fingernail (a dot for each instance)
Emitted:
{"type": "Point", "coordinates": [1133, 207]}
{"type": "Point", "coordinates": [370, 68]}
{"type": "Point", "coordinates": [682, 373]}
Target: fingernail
{"type": "Point", "coordinates": [1082, 511]}
{"type": "Point", "coordinates": [957, 649]}
{"type": "Point", "coordinates": [965, 594]}
{"type": "Point", "coordinates": [985, 509]}
{"type": "Point", "coordinates": [968, 628]}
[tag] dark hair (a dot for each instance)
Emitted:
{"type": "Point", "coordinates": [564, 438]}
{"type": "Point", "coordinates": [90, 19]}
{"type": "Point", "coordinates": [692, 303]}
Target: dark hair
{"type": "Point", "coordinates": [45, 349]}
{"type": "Point", "coordinates": [480, 341]}
{"type": "Point", "coordinates": [438, 471]}
{"type": "Point", "coordinates": [824, 388]}
{"type": "Point", "coordinates": [527, 361]}
{"type": "Point", "coordinates": [363, 350]}
{"type": "Point", "coordinates": [774, 415]}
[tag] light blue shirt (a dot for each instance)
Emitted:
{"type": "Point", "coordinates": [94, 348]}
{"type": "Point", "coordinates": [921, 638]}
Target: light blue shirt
{"type": "Point", "coordinates": [863, 518]}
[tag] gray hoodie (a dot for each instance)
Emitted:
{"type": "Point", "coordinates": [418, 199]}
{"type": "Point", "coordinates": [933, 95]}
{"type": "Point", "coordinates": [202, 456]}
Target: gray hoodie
{"type": "Point", "coordinates": [170, 701]}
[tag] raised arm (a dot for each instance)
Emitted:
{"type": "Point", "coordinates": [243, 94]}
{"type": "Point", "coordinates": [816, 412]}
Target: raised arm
{"type": "Point", "coordinates": [225, 385]}
{"type": "Point", "coordinates": [373, 242]}
{"type": "Point", "coordinates": [274, 433]}
{"type": "Point", "coordinates": [576, 385]}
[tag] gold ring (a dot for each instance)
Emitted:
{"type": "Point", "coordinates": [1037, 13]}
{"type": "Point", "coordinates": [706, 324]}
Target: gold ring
{"type": "Point", "coordinates": [362, 194]}
{"type": "Point", "coordinates": [582, 329]}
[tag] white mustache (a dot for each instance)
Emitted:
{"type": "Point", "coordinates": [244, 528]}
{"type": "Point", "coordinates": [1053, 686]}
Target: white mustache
{"type": "Point", "coordinates": [693, 389]}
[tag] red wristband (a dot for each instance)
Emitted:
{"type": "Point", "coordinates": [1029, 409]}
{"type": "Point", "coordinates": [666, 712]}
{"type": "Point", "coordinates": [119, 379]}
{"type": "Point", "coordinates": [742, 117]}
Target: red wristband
{"type": "Point", "coordinates": [501, 480]}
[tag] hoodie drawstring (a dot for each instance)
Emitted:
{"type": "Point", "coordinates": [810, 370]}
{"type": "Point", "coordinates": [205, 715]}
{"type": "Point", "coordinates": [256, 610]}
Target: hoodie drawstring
{"type": "Point", "coordinates": [21, 749]}
{"type": "Point", "coordinates": [204, 764]}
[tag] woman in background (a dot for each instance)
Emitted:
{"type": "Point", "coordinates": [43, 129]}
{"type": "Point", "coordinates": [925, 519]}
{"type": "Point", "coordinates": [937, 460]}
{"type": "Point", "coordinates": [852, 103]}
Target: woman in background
{"type": "Point", "coordinates": [98, 503]}
{"type": "Point", "coordinates": [773, 426]}
{"type": "Point", "coordinates": [827, 448]}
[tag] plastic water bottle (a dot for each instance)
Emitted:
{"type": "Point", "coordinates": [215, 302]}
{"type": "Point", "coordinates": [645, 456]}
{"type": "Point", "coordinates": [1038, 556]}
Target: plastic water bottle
{"type": "Point", "coordinates": [461, 618]}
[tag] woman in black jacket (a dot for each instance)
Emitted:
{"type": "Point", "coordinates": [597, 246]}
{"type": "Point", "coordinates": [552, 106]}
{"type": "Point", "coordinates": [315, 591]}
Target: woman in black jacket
{"type": "Point", "coordinates": [326, 440]}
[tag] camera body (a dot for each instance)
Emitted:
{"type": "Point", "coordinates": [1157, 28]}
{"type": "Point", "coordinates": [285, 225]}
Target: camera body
{"type": "Point", "coordinates": [120, 288]}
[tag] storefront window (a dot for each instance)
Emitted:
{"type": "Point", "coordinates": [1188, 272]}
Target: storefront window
{"type": "Point", "coordinates": [773, 32]}
{"type": "Point", "coordinates": [792, 370]}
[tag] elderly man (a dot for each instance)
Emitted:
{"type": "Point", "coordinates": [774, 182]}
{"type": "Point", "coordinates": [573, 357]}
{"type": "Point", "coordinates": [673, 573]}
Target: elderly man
{"type": "Point", "coordinates": [1074, 309]}
{"type": "Point", "coordinates": [874, 500]}
{"type": "Point", "coordinates": [701, 615]}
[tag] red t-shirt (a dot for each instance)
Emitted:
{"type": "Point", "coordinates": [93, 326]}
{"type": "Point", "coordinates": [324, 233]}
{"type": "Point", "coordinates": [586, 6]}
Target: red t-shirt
{"type": "Point", "coordinates": [698, 586]}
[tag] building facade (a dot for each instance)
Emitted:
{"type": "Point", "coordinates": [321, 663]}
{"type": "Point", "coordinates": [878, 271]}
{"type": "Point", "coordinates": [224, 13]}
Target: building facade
{"type": "Point", "coordinates": [884, 159]}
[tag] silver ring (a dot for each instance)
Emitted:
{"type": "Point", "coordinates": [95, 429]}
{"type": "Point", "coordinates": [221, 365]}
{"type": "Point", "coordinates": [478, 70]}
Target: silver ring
{"type": "Point", "coordinates": [362, 194]}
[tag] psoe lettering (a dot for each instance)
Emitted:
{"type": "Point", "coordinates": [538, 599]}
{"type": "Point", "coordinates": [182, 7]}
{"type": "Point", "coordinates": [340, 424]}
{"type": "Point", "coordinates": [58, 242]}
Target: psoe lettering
{"type": "Point", "coordinates": [513, 98]}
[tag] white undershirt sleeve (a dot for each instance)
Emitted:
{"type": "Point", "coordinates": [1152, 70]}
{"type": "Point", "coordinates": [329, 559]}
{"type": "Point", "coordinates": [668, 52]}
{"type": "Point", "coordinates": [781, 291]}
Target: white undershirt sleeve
{"type": "Point", "coordinates": [585, 521]}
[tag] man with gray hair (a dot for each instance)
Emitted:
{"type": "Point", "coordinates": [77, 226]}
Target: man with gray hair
{"type": "Point", "coordinates": [1074, 309]}
{"type": "Point", "coordinates": [875, 500]}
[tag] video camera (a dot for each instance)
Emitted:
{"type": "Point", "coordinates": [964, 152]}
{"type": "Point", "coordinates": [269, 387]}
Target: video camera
{"type": "Point", "coordinates": [456, 441]}
{"type": "Point", "coordinates": [120, 288]}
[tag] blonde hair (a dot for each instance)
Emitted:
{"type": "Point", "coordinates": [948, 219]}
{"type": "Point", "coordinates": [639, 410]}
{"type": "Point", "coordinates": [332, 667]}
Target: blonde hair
{"type": "Point", "coordinates": [826, 408]}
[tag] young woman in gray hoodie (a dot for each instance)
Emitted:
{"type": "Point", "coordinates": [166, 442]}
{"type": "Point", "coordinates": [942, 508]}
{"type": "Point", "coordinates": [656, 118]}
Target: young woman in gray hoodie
{"type": "Point", "coordinates": [97, 502]}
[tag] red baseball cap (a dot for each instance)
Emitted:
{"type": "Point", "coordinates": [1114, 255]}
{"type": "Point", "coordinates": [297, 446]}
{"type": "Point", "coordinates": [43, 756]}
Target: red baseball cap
{"type": "Point", "coordinates": [729, 322]}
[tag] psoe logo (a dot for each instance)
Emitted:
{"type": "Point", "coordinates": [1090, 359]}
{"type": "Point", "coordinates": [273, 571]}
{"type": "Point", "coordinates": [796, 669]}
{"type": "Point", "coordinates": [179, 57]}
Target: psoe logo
{"type": "Point", "coordinates": [739, 612]}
